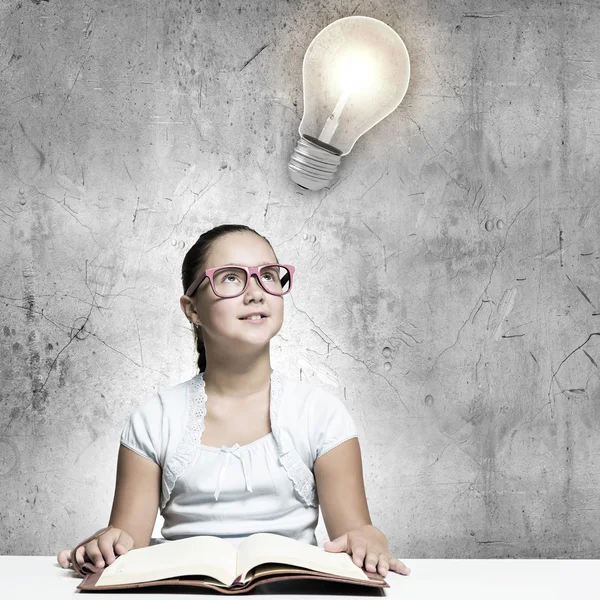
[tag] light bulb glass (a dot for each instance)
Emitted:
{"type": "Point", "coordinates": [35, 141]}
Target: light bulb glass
{"type": "Point", "coordinates": [355, 73]}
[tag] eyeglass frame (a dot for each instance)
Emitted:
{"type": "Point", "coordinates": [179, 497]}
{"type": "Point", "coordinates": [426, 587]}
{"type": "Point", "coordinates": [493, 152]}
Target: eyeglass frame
{"type": "Point", "coordinates": [250, 271]}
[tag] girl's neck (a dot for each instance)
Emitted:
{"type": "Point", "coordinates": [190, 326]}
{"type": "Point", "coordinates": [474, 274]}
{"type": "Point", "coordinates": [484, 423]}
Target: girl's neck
{"type": "Point", "coordinates": [238, 381]}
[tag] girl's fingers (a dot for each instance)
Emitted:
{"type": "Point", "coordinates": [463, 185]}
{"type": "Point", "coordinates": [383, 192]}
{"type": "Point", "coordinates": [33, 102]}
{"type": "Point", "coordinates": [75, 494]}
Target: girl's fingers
{"type": "Point", "coordinates": [371, 561]}
{"type": "Point", "coordinates": [399, 566]}
{"type": "Point", "coordinates": [80, 555]}
{"type": "Point", "coordinates": [358, 555]}
{"type": "Point", "coordinates": [63, 558]}
{"type": "Point", "coordinates": [105, 543]}
{"type": "Point", "coordinates": [94, 554]}
{"type": "Point", "coordinates": [383, 565]}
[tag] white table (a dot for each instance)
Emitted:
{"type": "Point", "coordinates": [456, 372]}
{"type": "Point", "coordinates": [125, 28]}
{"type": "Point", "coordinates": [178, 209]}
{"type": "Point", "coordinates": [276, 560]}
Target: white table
{"type": "Point", "coordinates": [40, 577]}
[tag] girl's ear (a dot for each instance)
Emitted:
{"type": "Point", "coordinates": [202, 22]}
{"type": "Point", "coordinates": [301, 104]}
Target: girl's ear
{"type": "Point", "coordinates": [188, 310]}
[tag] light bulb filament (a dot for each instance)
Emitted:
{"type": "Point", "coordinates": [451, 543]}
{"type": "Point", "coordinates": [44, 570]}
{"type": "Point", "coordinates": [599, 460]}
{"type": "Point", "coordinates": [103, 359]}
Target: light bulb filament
{"type": "Point", "coordinates": [333, 120]}
{"type": "Point", "coordinates": [355, 72]}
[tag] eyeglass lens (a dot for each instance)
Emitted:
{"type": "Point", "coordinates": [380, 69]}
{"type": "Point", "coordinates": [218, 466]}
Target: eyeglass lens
{"type": "Point", "coordinates": [231, 280]}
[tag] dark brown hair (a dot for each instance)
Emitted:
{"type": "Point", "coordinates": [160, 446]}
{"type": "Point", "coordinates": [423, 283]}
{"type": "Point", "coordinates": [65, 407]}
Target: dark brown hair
{"type": "Point", "coordinates": [194, 263]}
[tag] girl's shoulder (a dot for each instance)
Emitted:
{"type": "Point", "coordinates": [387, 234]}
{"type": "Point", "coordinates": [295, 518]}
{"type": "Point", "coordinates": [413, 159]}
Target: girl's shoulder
{"type": "Point", "coordinates": [165, 403]}
{"type": "Point", "coordinates": [316, 419]}
{"type": "Point", "coordinates": [310, 400]}
{"type": "Point", "coordinates": [308, 391]}
{"type": "Point", "coordinates": [176, 395]}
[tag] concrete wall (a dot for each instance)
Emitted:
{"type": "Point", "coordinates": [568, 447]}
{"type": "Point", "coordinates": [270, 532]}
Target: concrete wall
{"type": "Point", "coordinates": [447, 284]}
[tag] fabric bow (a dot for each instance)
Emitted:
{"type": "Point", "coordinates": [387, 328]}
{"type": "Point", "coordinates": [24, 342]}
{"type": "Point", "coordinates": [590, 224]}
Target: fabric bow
{"type": "Point", "coordinates": [229, 452]}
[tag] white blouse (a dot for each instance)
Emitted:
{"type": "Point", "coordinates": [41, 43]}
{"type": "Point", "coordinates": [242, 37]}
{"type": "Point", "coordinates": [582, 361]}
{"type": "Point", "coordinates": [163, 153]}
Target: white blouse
{"type": "Point", "coordinates": [232, 492]}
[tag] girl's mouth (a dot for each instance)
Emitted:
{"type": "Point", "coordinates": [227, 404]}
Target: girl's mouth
{"type": "Point", "coordinates": [255, 319]}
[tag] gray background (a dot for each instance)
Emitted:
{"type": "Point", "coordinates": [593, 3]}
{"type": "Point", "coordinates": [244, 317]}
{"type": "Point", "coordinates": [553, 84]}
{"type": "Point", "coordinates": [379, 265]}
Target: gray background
{"type": "Point", "coordinates": [447, 283]}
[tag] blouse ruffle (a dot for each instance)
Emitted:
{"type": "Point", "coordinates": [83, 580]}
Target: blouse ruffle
{"type": "Point", "coordinates": [297, 471]}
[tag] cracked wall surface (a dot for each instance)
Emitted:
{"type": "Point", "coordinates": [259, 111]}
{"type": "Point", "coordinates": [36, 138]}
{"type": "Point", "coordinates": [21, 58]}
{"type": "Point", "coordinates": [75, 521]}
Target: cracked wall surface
{"type": "Point", "coordinates": [447, 284]}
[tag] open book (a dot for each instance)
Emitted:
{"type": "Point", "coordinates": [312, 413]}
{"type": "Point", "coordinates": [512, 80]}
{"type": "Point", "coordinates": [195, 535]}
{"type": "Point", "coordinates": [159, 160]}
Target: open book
{"type": "Point", "coordinates": [212, 562]}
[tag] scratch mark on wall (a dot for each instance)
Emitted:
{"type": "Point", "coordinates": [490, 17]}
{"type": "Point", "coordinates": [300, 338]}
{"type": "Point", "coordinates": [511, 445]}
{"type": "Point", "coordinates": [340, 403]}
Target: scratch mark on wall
{"type": "Point", "coordinates": [41, 155]}
{"type": "Point", "coordinates": [439, 455]}
{"type": "Point", "coordinates": [560, 244]}
{"type": "Point", "coordinates": [251, 59]}
{"type": "Point", "coordinates": [476, 194]}
{"type": "Point", "coordinates": [378, 180]}
{"type": "Point", "coordinates": [129, 174]}
{"type": "Point", "coordinates": [370, 230]}
{"type": "Point", "coordinates": [477, 370]}
{"type": "Point", "coordinates": [477, 312]}
{"type": "Point", "coordinates": [553, 377]}
{"type": "Point", "coordinates": [483, 15]}
{"type": "Point", "coordinates": [187, 181]}
{"type": "Point", "coordinates": [506, 305]}
{"type": "Point", "coordinates": [74, 82]}
{"type": "Point", "coordinates": [423, 135]}
{"type": "Point", "coordinates": [5, 213]}
{"type": "Point", "coordinates": [357, 7]}
{"type": "Point", "coordinates": [69, 185]}
{"type": "Point", "coordinates": [324, 340]}
{"type": "Point", "coordinates": [583, 294]}
{"type": "Point", "coordinates": [267, 206]}
{"type": "Point", "coordinates": [591, 359]}
{"type": "Point", "coordinates": [138, 334]}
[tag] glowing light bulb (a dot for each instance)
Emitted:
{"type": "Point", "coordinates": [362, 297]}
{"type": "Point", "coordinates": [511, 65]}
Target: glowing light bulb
{"type": "Point", "coordinates": [355, 73]}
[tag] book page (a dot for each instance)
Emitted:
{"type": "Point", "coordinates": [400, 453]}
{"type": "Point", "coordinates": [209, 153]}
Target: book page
{"type": "Point", "coordinates": [262, 548]}
{"type": "Point", "coordinates": [272, 569]}
{"type": "Point", "coordinates": [199, 555]}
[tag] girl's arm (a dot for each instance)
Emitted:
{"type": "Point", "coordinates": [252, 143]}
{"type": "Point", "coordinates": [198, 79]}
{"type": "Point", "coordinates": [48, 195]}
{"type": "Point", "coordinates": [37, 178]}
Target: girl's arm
{"type": "Point", "coordinates": [341, 492]}
{"type": "Point", "coordinates": [137, 494]}
{"type": "Point", "coordinates": [132, 518]}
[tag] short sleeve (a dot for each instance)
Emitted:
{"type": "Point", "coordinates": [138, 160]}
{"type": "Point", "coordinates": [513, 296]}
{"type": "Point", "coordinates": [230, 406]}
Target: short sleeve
{"type": "Point", "coordinates": [331, 423]}
{"type": "Point", "coordinates": [142, 431]}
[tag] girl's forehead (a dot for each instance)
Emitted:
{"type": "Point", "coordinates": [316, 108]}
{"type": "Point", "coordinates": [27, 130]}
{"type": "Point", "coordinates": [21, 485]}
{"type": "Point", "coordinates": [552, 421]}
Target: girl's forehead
{"type": "Point", "coordinates": [240, 250]}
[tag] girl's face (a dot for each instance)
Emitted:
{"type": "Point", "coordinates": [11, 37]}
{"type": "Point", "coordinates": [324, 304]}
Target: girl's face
{"type": "Point", "coordinates": [220, 317]}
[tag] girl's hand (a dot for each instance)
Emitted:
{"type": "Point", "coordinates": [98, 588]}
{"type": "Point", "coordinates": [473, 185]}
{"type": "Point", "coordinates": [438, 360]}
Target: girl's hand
{"type": "Point", "coordinates": [370, 545]}
{"type": "Point", "coordinates": [99, 552]}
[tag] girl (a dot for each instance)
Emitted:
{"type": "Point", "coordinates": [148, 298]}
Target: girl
{"type": "Point", "coordinates": [239, 448]}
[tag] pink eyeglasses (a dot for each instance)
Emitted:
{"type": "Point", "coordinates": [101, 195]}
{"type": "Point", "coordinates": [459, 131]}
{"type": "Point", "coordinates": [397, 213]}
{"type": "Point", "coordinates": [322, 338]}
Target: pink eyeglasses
{"type": "Point", "coordinates": [233, 280]}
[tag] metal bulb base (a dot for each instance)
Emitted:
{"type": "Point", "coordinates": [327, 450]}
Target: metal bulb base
{"type": "Point", "coordinates": [313, 163]}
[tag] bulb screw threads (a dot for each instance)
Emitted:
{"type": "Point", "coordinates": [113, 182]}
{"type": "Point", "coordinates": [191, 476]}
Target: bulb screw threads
{"type": "Point", "coordinates": [313, 163]}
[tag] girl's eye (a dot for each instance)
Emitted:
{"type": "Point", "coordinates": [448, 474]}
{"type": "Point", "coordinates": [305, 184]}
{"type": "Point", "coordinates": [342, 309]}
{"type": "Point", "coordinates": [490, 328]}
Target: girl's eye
{"type": "Point", "coordinates": [272, 275]}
